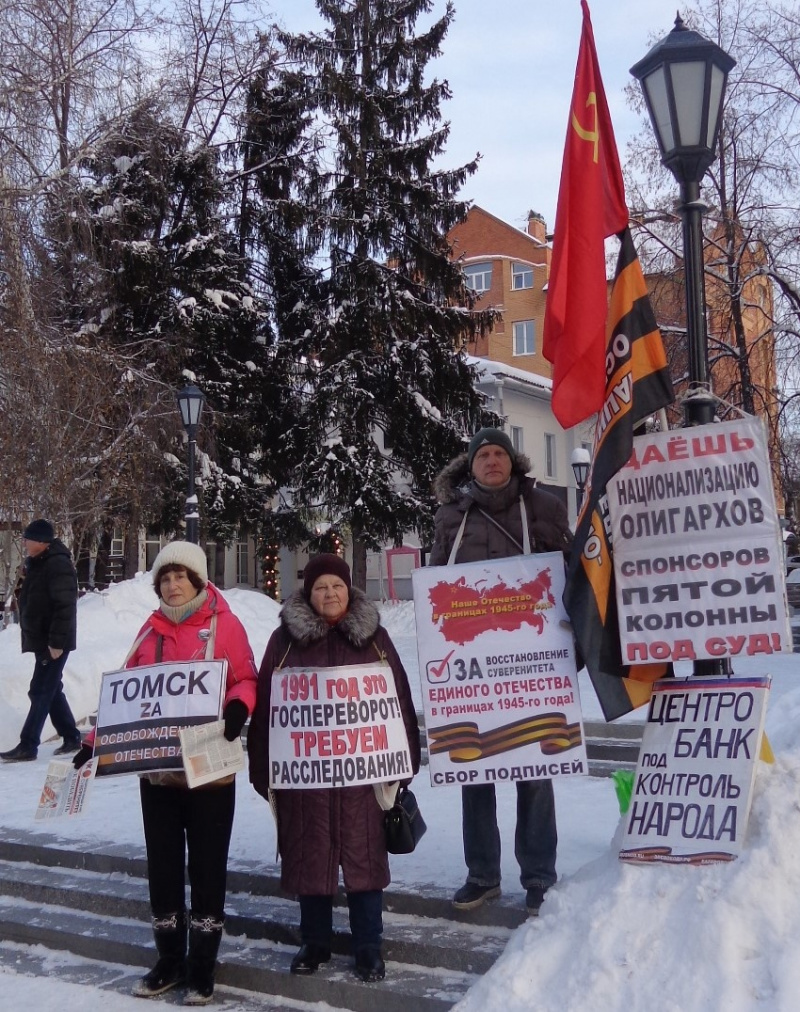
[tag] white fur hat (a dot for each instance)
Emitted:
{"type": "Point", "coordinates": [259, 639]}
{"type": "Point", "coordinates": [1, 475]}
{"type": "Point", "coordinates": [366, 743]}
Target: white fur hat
{"type": "Point", "coordinates": [182, 553]}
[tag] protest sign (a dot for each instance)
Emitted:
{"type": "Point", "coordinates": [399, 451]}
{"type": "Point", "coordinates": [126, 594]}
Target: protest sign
{"type": "Point", "coordinates": [336, 727]}
{"type": "Point", "coordinates": [207, 753]}
{"type": "Point", "coordinates": [694, 780]}
{"type": "Point", "coordinates": [497, 664]}
{"type": "Point", "coordinates": [66, 790]}
{"type": "Point", "coordinates": [142, 710]}
{"type": "Point", "coordinates": [698, 550]}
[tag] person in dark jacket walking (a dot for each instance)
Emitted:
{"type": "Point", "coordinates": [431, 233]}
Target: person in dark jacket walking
{"type": "Point", "coordinates": [503, 513]}
{"type": "Point", "coordinates": [48, 601]}
{"type": "Point", "coordinates": [329, 623]}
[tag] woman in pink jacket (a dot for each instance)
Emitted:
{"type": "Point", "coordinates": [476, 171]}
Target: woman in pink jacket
{"type": "Point", "coordinates": [191, 613]}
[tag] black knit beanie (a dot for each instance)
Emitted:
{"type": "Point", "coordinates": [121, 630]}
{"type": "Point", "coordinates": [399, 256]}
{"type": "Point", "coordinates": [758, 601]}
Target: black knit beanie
{"type": "Point", "coordinates": [490, 437]}
{"type": "Point", "coordinates": [327, 564]}
{"type": "Point", "coordinates": [39, 530]}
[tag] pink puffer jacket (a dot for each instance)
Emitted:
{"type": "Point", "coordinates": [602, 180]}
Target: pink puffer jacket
{"type": "Point", "coordinates": [187, 640]}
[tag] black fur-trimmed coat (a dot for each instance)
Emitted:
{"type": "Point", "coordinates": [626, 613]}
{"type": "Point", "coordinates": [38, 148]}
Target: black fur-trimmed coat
{"type": "Point", "coordinates": [548, 524]}
{"type": "Point", "coordinates": [321, 830]}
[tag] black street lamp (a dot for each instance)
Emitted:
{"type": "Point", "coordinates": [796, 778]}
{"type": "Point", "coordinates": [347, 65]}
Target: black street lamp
{"type": "Point", "coordinates": [190, 402]}
{"type": "Point", "coordinates": [580, 461]}
{"type": "Point", "coordinates": [683, 78]}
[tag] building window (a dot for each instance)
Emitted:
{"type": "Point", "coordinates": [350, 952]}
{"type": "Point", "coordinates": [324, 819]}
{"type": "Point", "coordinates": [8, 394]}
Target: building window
{"type": "Point", "coordinates": [516, 438]}
{"type": "Point", "coordinates": [152, 546]}
{"type": "Point", "coordinates": [479, 277]}
{"type": "Point", "coordinates": [242, 562]}
{"type": "Point", "coordinates": [521, 276]}
{"type": "Point", "coordinates": [549, 455]}
{"type": "Point", "coordinates": [524, 342]}
{"type": "Point", "coordinates": [117, 542]}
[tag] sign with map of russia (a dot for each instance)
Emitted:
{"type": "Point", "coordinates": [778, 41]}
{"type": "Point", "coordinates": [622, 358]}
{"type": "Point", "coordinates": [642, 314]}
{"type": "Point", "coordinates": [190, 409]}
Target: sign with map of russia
{"type": "Point", "coordinates": [497, 665]}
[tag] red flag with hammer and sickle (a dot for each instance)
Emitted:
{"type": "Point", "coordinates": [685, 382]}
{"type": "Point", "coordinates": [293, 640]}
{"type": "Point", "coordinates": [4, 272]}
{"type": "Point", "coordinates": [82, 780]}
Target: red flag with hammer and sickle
{"type": "Point", "coordinates": [591, 206]}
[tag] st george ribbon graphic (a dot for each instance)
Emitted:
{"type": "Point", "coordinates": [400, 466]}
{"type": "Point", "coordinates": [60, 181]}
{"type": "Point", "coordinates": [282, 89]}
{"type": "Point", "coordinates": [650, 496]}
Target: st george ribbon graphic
{"type": "Point", "coordinates": [465, 743]}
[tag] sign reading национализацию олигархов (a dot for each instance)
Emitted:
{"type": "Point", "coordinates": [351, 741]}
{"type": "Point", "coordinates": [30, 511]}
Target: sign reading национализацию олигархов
{"type": "Point", "coordinates": [698, 547]}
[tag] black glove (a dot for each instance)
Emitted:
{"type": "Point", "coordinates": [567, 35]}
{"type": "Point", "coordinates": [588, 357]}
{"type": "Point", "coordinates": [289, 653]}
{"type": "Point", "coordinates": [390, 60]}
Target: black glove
{"type": "Point", "coordinates": [234, 715]}
{"type": "Point", "coordinates": [82, 756]}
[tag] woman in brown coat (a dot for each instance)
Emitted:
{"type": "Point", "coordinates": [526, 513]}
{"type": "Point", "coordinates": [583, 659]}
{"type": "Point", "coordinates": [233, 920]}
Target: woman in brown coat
{"type": "Point", "coordinates": [327, 624]}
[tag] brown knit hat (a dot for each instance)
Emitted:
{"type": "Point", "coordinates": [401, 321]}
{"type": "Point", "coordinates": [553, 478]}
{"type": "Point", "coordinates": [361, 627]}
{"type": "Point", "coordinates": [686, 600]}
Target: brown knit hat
{"type": "Point", "coordinates": [327, 564]}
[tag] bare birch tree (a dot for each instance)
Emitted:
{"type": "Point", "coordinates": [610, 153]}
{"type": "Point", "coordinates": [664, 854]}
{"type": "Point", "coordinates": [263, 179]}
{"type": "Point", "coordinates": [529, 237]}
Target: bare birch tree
{"type": "Point", "coordinates": [89, 424]}
{"type": "Point", "coordinates": [752, 247]}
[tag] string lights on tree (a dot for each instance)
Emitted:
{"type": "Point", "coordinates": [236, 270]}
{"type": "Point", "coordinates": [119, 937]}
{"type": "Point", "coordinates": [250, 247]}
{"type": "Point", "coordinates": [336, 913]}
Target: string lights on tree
{"type": "Point", "coordinates": [271, 576]}
{"type": "Point", "coordinates": [327, 539]}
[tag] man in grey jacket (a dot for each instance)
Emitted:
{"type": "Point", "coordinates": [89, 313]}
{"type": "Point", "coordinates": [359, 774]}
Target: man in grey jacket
{"type": "Point", "coordinates": [48, 618]}
{"type": "Point", "coordinates": [489, 484]}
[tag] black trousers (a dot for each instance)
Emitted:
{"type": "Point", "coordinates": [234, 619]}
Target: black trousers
{"type": "Point", "coordinates": [366, 919]}
{"type": "Point", "coordinates": [177, 820]}
{"type": "Point", "coordinates": [46, 694]}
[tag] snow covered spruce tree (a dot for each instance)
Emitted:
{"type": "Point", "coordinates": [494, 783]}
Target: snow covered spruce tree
{"type": "Point", "coordinates": [387, 395]}
{"type": "Point", "coordinates": [164, 287]}
{"type": "Point", "coordinates": [278, 147]}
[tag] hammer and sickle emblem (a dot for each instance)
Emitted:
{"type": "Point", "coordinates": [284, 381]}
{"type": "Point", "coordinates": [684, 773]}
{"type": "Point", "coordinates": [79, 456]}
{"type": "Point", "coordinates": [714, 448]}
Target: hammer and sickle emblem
{"type": "Point", "coordinates": [588, 135]}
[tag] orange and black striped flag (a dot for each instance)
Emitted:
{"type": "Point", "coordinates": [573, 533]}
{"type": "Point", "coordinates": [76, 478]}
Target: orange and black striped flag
{"type": "Point", "coordinates": [638, 384]}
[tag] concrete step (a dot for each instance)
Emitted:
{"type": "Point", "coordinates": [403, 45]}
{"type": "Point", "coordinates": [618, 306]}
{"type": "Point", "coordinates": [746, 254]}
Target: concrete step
{"type": "Point", "coordinates": [602, 731]}
{"type": "Point", "coordinates": [112, 982]}
{"type": "Point", "coordinates": [611, 747]}
{"type": "Point", "coordinates": [255, 966]}
{"type": "Point", "coordinates": [439, 943]}
{"type": "Point", "coordinates": [94, 905]}
{"type": "Point", "coordinates": [43, 849]}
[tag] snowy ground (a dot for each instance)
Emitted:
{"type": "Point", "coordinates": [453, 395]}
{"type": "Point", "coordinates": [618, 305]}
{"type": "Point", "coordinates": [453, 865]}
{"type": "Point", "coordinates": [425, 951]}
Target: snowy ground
{"type": "Point", "coordinates": [610, 936]}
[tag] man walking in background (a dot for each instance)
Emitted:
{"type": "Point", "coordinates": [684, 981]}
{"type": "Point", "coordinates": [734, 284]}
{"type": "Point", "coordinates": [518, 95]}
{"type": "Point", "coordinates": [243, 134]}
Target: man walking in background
{"type": "Point", "coordinates": [48, 603]}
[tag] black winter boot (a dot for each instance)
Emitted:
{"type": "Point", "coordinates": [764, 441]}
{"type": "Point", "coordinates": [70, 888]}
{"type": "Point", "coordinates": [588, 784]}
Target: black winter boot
{"type": "Point", "coordinates": [170, 970]}
{"type": "Point", "coordinates": [205, 934]}
{"type": "Point", "coordinates": [370, 966]}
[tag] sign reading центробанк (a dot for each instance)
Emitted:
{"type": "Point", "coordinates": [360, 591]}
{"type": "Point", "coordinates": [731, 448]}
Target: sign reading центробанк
{"type": "Point", "coordinates": [497, 665]}
{"type": "Point", "coordinates": [336, 727]}
{"type": "Point", "coordinates": [142, 710]}
{"type": "Point", "coordinates": [698, 547]}
{"type": "Point", "coordinates": [694, 779]}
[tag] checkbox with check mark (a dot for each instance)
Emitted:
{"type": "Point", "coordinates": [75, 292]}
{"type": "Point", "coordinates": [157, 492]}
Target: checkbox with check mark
{"type": "Point", "coordinates": [439, 671]}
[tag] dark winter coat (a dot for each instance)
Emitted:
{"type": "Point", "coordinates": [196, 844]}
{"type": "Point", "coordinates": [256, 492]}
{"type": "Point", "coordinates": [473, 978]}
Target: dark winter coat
{"type": "Point", "coordinates": [48, 601]}
{"type": "Point", "coordinates": [322, 830]}
{"type": "Point", "coordinates": [548, 524]}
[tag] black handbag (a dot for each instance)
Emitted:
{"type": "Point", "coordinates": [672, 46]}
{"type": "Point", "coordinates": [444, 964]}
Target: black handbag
{"type": "Point", "coordinates": [404, 824]}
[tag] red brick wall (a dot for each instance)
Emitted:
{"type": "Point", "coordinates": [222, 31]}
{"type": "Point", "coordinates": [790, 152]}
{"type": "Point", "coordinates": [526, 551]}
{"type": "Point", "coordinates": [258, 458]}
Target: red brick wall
{"type": "Point", "coordinates": [483, 237]}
